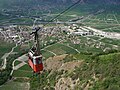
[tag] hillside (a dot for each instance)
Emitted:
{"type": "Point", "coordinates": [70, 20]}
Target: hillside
{"type": "Point", "coordinates": [80, 72]}
{"type": "Point", "coordinates": [50, 3]}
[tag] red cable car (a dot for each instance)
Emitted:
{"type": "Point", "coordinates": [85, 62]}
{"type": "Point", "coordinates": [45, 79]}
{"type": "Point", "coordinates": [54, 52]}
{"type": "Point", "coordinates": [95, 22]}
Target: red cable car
{"type": "Point", "coordinates": [35, 61]}
{"type": "Point", "coordinates": [34, 55]}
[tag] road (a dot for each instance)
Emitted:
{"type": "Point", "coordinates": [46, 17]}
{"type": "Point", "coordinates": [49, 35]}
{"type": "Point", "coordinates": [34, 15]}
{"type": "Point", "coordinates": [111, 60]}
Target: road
{"type": "Point", "coordinates": [113, 35]}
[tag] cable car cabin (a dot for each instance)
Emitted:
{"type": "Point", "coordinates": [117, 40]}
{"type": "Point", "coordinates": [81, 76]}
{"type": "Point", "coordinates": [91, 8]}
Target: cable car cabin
{"type": "Point", "coordinates": [35, 62]}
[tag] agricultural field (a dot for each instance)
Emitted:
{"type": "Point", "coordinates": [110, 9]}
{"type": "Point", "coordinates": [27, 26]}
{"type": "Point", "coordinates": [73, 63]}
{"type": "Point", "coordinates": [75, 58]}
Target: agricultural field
{"type": "Point", "coordinates": [24, 71]}
{"type": "Point", "coordinates": [21, 20]}
{"type": "Point", "coordinates": [15, 85]}
{"type": "Point", "coordinates": [59, 49]}
{"type": "Point", "coordinates": [105, 22]}
{"type": "Point", "coordinates": [46, 54]}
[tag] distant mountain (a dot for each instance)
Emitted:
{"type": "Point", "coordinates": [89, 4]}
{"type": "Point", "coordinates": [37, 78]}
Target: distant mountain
{"type": "Point", "coordinates": [10, 3]}
{"type": "Point", "coordinates": [49, 5]}
{"type": "Point", "coordinates": [86, 1]}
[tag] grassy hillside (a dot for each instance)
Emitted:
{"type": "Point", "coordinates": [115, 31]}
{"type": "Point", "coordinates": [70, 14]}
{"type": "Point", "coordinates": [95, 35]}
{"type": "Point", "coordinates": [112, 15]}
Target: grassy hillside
{"type": "Point", "coordinates": [97, 72]}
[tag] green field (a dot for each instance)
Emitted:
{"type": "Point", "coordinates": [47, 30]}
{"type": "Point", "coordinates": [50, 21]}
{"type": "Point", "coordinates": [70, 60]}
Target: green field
{"type": "Point", "coordinates": [61, 49]}
{"type": "Point", "coordinates": [17, 62]}
{"type": "Point", "coordinates": [110, 41]}
{"type": "Point", "coordinates": [108, 22]}
{"type": "Point", "coordinates": [24, 71]}
{"type": "Point", "coordinates": [11, 85]}
{"type": "Point", "coordinates": [46, 54]}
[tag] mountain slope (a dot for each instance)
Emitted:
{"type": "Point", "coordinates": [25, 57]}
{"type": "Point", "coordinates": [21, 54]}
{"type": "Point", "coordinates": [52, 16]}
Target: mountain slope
{"type": "Point", "coordinates": [32, 3]}
{"type": "Point", "coordinates": [96, 72]}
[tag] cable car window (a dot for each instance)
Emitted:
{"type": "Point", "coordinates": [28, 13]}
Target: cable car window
{"type": "Point", "coordinates": [38, 60]}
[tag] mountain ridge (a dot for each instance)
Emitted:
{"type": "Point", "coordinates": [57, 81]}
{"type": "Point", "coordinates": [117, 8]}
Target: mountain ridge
{"type": "Point", "coordinates": [48, 4]}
